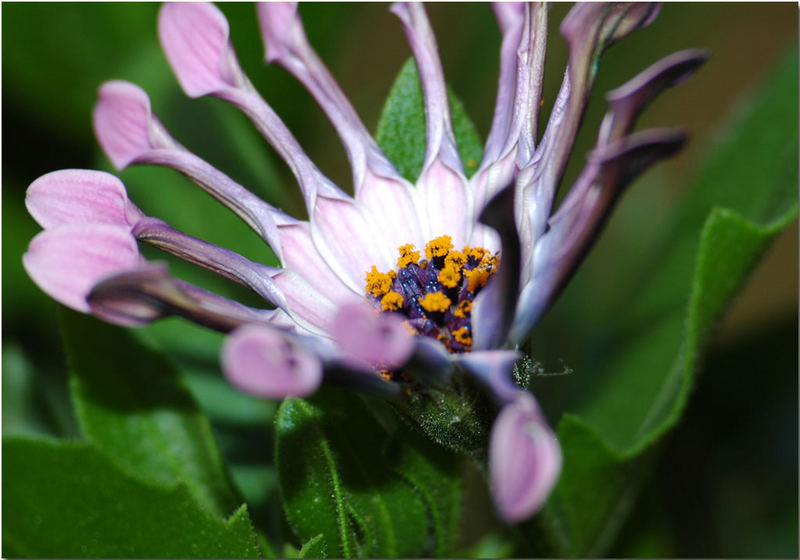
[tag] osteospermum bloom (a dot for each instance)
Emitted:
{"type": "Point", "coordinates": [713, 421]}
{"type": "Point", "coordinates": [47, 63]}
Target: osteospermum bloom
{"type": "Point", "coordinates": [400, 287]}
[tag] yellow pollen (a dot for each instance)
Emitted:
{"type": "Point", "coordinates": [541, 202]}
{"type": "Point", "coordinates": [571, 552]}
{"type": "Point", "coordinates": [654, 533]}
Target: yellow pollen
{"type": "Point", "coordinates": [463, 337]}
{"type": "Point", "coordinates": [392, 301]}
{"type": "Point", "coordinates": [456, 259]}
{"type": "Point", "coordinates": [476, 253]}
{"type": "Point", "coordinates": [463, 308]}
{"type": "Point", "coordinates": [438, 247]}
{"type": "Point", "coordinates": [476, 278]}
{"type": "Point", "coordinates": [379, 283]}
{"type": "Point", "coordinates": [449, 276]}
{"type": "Point", "coordinates": [435, 302]}
{"type": "Point", "coordinates": [407, 255]}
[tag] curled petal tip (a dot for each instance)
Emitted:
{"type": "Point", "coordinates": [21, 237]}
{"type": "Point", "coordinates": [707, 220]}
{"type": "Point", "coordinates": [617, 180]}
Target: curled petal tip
{"type": "Point", "coordinates": [265, 362]}
{"type": "Point", "coordinates": [524, 460]}
{"type": "Point", "coordinates": [380, 339]}
{"type": "Point", "coordinates": [195, 39]}
{"type": "Point", "coordinates": [80, 196]}
{"type": "Point", "coordinates": [277, 20]}
{"type": "Point", "coordinates": [121, 120]}
{"type": "Point", "coordinates": [68, 261]}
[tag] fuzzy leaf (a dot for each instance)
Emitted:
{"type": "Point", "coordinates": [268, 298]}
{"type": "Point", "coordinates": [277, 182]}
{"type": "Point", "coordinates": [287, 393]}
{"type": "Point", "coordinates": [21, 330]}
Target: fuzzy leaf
{"type": "Point", "coordinates": [401, 128]}
{"type": "Point", "coordinates": [69, 500]}
{"type": "Point", "coordinates": [335, 480]}
{"type": "Point", "coordinates": [132, 403]}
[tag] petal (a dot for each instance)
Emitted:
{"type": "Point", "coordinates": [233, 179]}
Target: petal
{"type": "Point", "coordinates": [391, 203]}
{"type": "Point", "coordinates": [581, 216]}
{"type": "Point", "coordinates": [380, 339]}
{"type": "Point", "coordinates": [306, 305]}
{"type": "Point", "coordinates": [73, 196]}
{"type": "Point", "coordinates": [524, 460]}
{"type": "Point", "coordinates": [67, 261]}
{"type": "Point", "coordinates": [280, 27]}
{"type": "Point", "coordinates": [122, 122]}
{"type": "Point", "coordinates": [233, 266]}
{"type": "Point", "coordinates": [267, 363]}
{"type": "Point", "coordinates": [439, 129]}
{"type": "Point", "coordinates": [446, 201]}
{"type": "Point", "coordinates": [195, 39]}
{"type": "Point", "coordinates": [130, 133]}
{"type": "Point", "coordinates": [628, 100]}
{"type": "Point", "coordinates": [493, 368]}
{"type": "Point", "coordinates": [349, 241]}
{"type": "Point", "coordinates": [301, 256]}
{"type": "Point", "coordinates": [494, 307]}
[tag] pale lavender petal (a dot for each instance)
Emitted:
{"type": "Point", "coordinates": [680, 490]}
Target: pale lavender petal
{"type": "Point", "coordinates": [122, 122]}
{"type": "Point", "coordinates": [581, 216]}
{"type": "Point", "coordinates": [494, 307]}
{"type": "Point", "coordinates": [492, 368]}
{"type": "Point", "coordinates": [286, 43]}
{"type": "Point", "coordinates": [305, 304]}
{"type": "Point", "coordinates": [74, 196]}
{"type": "Point", "coordinates": [380, 339]}
{"type": "Point", "coordinates": [302, 257]}
{"type": "Point", "coordinates": [429, 364]}
{"type": "Point", "coordinates": [195, 39]}
{"type": "Point", "coordinates": [524, 460]}
{"type": "Point", "coordinates": [267, 363]}
{"type": "Point", "coordinates": [67, 261]}
{"type": "Point", "coordinates": [589, 28]}
{"type": "Point", "coordinates": [130, 133]}
{"type": "Point", "coordinates": [349, 240]}
{"type": "Point", "coordinates": [445, 200]}
{"type": "Point", "coordinates": [226, 263]}
{"type": "Point", "coordinates": [628, 100]}
{"type": "Point", "coordinates": [391, 203]}
{"type": "Point", "coordinates": [148, 292]}
{"type": "Point", "coordinates": [439, 129]}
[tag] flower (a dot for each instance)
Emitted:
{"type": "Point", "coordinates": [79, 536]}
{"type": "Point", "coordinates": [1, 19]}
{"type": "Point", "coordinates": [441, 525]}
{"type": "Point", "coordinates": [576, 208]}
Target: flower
{"type": "Point", "coordinates": [400, 287]}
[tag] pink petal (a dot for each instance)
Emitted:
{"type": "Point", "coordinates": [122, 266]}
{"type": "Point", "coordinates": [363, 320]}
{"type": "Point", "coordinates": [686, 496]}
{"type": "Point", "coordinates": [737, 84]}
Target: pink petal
{"type": "Point", "coordinates": [349, 241]}
{"type": "Point", "coordinates": [121, 121]}
{"type": "Point", "coordinates": [391, 203]}
{"type": "Point", "coordinates": [380, 339]}
{"type": "Point", "coordinates": [278, 21]}
{"type": "Point", "coordinates": [308, 306]}
{"type": "Point", "coordinates": [446, 200]}
{"type": "Point", "coordinates": [73, 196]}
{"type": "Point", "coordinates": [66, 262]}
{"type": "Point", "coordinates": [301, 256]}
{"type": "Point", "coordinates": [267, 363]}
{"type": "Point", "coordinates": [194, 37]}
{"type": "Point", "coordinates": [524, 460]}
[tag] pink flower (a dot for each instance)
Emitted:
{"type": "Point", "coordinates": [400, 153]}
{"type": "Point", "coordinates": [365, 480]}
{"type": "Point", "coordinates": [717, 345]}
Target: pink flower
{"type": "Point", "coordinates": [395, 287]}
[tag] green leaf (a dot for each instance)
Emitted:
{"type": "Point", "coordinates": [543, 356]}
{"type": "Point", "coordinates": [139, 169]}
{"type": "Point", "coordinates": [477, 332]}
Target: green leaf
{"type": "Point", "coordinates": [401, 127]}
{"type": "Point", "coordinates": [652, 347]}
{"type": "Point", "coordinates": [436, 474]}
{"type": "Point", "coordinates": [314, 548]}
{"type": "Point", "coordinates": [132, 403]}
{"type": "Point", "coordinates": [68, 499]}
{"type": "Point", "coordinates": [335, 480]}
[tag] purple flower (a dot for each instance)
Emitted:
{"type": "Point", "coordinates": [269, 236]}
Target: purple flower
{"type": "Point", "coordinates": [400, 286]}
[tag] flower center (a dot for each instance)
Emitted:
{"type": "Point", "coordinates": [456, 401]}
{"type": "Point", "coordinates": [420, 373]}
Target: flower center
{"type": "Point", "coordinates": [435, 292]}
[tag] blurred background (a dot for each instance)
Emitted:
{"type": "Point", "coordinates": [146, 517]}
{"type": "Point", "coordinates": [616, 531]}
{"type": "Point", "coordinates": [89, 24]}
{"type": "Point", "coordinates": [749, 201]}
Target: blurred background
{"type": "Point", "coordinates": [726, 483]}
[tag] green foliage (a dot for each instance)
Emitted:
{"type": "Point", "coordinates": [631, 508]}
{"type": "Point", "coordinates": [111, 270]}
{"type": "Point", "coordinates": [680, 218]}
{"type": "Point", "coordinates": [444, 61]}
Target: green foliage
{"type": "Point", "coordinates": [132, 404]}
{"type": "Point", "coordinates": [68, 499]}
{"type": "Point", "coordinates": [401, 128]}
{"type": "Point", "coordinates": [337, 477]}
